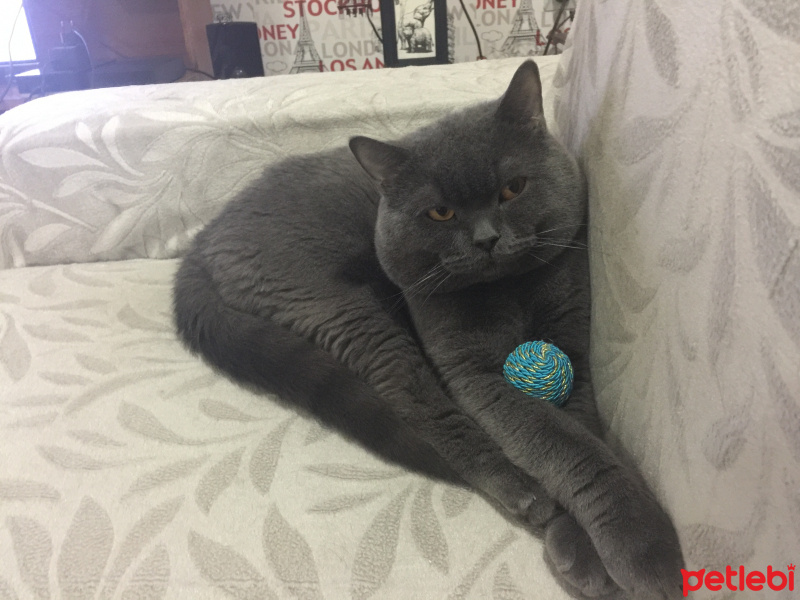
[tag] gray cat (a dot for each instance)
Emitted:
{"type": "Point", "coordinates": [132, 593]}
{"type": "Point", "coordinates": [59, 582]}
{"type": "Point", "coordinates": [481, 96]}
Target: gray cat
{"type": "Point", "coordinates": [381, 287]}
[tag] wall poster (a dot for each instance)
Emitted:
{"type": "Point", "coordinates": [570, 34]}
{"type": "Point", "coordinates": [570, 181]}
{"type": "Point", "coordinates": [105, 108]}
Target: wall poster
{"type": "Point", "coordinates": [298, 36]}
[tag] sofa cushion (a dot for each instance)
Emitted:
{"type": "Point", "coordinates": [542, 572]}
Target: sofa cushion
{"type": "Point", "coordinates": [129, 467]}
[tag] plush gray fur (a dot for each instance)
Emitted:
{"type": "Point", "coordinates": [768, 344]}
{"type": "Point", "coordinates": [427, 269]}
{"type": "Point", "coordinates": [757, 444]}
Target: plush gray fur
{"type": "Point", "coordinates": [329, 284]}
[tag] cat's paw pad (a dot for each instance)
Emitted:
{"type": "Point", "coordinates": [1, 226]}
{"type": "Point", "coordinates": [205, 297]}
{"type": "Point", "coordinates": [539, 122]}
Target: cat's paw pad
{"type": "Point", "coordinates": [640, 549]}
{"type": "Point", "coordinates": [572, 559]}
{"type": "Point", "coordinates": [652, 573]}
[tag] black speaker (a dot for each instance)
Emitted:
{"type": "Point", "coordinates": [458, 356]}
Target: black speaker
{"type": "Point", "coordinates": [235, 51]}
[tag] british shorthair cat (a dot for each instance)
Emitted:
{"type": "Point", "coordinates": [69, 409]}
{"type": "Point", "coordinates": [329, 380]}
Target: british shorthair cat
{"type": "Point", "coordinates": [381, 287]}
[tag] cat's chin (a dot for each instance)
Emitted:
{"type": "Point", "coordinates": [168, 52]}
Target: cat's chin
{"type": "Point", "coordinates": [489, 267]}
{"type": "Point", "coordinates": [464, 274]}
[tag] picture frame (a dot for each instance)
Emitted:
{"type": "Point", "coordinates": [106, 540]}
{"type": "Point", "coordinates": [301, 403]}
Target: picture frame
{"type": "Point", "coordinates": [414, 32]}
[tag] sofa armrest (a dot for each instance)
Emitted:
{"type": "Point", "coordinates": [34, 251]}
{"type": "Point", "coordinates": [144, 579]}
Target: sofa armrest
{"type": "Point", "coordinates": [687, 127]}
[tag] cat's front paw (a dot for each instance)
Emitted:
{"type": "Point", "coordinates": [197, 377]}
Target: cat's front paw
{"type": "Point", "coordinates": [639, 547]}
{"type": "Point", "coordinates": [574, 562]}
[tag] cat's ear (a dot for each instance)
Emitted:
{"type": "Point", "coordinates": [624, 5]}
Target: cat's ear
{"type": "Point", "coordinates": [381, 161]}
{"type": "Point", "coordinates": [522, 102]}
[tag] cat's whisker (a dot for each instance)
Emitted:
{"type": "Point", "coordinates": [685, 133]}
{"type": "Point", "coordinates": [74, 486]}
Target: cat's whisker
{"type": "Point", "coordinates": [412, 289]}
{"type": "Point", "coordinates": [441, 277]}
{"type": "Point", "coordinates": [561, 245]}
{"type": "Point", "coordinates": [568, 240]}
{"type": "Point", "coordinates": [420, 283]}
{"type": "Point", "coordinates": [530, 253]}
{"type": "Point", "coordinates": [446, 277]}
{"type": "Point", "coordinates": [570, 226]}
{"type": "Point", "coordinates": [390, 296]}
{"type": "Point", "coordinates": [417, 287]}
{"type": "Point", "coordinates": [399, 300]}
{"type": "Point", "coordinates": [397, 304]}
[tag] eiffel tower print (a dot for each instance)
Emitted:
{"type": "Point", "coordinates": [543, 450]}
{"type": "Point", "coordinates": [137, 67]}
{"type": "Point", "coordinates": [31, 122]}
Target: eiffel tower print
{"type": "Point", "coordinates": [525, 35]}
{"type": "Point", "coordinates": [306, 58]}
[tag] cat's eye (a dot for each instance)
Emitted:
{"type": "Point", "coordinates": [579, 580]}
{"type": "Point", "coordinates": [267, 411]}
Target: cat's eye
{"type": "Point", "coordinates": [513, 189]}
{"type": "Point", "coordinates": [441, 213]}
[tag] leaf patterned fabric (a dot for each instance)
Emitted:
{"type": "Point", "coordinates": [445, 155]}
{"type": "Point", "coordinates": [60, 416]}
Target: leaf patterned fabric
{"type": "Point", "coordinates": [129, 469]}
{"type": "Point", "coordinates": [686, 118]}
{"type": "Point", "coordinates": [134, 172]}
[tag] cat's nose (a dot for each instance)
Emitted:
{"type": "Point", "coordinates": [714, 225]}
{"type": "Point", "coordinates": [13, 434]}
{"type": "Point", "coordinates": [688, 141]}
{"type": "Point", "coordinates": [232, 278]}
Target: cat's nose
{"type": "Point", "coordinates": [485, 236]}
{"type": "Point", "coordinates": [487, 243]}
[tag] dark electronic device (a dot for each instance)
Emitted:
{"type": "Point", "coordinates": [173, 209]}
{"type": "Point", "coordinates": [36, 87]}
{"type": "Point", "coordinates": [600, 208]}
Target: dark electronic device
{"type": "Point", "coordinates": [70, 67]}
{"type": "Point", "coordinates": [235, 51]}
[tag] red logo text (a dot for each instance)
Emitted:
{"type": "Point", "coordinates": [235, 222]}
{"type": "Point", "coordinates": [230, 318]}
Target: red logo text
{"type": "Point", "coordinates": [738, 580]}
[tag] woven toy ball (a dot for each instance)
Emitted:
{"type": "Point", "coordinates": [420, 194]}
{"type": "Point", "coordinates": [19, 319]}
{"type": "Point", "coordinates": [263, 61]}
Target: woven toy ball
{"type": "Point", "coordinates": [540, 370]}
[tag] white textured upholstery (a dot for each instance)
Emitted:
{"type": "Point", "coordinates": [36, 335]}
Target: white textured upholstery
{"type": "Point", "coordinates": [686, 119]}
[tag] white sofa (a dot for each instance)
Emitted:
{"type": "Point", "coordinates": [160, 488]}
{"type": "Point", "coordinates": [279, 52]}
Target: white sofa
{"type": "Point", "coordinates": [128, 469]}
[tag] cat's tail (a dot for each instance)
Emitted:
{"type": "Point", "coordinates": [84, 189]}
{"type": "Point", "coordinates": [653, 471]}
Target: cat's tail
{"type": "Point", "coordinates": [256, 351]}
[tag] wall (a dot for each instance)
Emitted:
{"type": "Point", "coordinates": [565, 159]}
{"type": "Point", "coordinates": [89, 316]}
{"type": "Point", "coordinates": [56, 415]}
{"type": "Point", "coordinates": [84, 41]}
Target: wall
{"type": "Point", "coordinates": [116, 29]}
{"type": "Point", "coordinates": [140, 28]}
{"type": "Point", "coordinates": [348, 43]}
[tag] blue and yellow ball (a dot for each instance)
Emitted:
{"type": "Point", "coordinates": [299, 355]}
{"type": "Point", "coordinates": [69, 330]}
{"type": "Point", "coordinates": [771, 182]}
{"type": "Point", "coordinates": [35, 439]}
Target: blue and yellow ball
{"type": "Point", "coordinates": [540, 370]}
